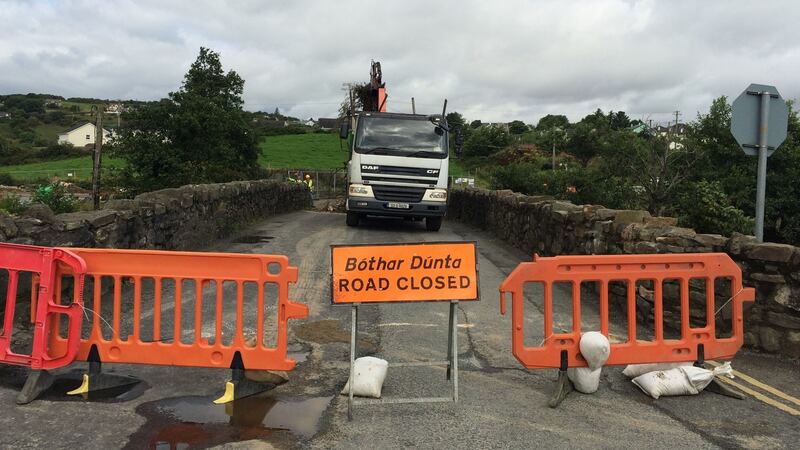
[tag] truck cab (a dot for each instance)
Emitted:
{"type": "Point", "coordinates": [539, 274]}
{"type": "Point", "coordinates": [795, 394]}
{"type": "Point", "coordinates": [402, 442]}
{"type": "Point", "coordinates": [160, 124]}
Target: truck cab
{"type": "Point", "coordinates": [398, 167]}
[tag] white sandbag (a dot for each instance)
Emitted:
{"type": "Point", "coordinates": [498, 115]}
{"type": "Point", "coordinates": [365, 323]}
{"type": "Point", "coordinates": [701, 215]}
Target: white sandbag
{"type": "Point", "coordinates": [585, 379]}
{"type": "Point", "coordinates": [684, 380]}
{"type": "Point", "coordinates": [595, 349]}
{"type": "Point", "coordinates": [700, 378]}
{"type": "Point", "coordinates": [634, 370]}
{"type": "Point", "coordinates": [368, 373]}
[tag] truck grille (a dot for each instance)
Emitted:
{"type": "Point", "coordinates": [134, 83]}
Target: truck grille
{"type": "Point", "coordinates": [398, 193]}
{"type": "Point", "coordinates": [400, 180]}
{"type": "Point", "coordinates": [395, 170]}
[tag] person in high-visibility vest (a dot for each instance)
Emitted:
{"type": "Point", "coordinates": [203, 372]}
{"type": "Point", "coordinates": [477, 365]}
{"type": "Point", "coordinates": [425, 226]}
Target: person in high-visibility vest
{"type": "Point", "coordinates": [309, 182]}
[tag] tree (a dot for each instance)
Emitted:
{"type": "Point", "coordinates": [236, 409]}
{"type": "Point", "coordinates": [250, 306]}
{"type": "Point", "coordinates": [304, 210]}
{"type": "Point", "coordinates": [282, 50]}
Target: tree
{"type": "Point", "coordinates": [455, 120]}
{"type": "Point", "coordinates": [553, 121]}
{"type": "Point", "coordinates": [517, 127]}
{"type": "Point", "coordinates": [475, 124]}
{"type": "Point", "coordinates": [654, 164]}
{"type": "Point", "coordinates": [199, 134]}
{"type": "Point", "coordinates": [486, 140]}
{"type": "Point", "coordinates": [618, 120]}
{"type": "Point", "coordinates": [723, 160]}
{"type": "Point", "coordinates": [24, 103]}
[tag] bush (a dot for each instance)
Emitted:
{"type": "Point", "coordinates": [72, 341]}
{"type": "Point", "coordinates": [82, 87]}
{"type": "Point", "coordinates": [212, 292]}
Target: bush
{"type": "Point", "coordinates": [281, 131]}
{"type": "Point", "coordinates": [56, 197]}
{"type": "Point", "coordinates": [12, 204]}
{"type": "Point", "coordinates": [7, 180]}
{"type": "Point", "coordinates": [60, 151]}
{"type": "Point", "coordinates": [705, 207]}
{"type": "Point", "coordinates": [578, 185]}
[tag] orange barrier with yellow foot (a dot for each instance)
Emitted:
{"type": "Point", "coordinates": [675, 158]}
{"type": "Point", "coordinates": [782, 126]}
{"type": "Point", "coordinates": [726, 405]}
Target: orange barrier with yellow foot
{"type": "Point", "coordinates": [202, 268]}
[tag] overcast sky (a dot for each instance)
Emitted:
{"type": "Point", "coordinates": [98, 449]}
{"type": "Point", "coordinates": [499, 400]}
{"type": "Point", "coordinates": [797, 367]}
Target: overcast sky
{"type": "Point", "coordinates": [495, 61]}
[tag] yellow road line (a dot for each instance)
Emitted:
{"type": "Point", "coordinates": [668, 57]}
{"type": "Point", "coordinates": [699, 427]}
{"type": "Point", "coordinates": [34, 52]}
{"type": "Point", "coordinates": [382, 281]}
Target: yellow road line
{"type": "Point", "coordinates": [764, 386]}
{"type": "Point", "coordinates": [760, 396]}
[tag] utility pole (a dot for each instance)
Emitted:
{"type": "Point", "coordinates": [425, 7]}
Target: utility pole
{"type": "Point", "coordinates": [351, 113]}
{"type": "Point", "coordinates": [98, 149]}
{"type": "Point", "coordinates": [413, 106]}
{"type": "Point", "coordinates": [677, 114]}
{"type": "Point", "coordinates": [554, 155]}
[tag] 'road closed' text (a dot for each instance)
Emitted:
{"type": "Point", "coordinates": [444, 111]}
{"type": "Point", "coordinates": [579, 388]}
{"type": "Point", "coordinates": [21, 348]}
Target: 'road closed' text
{"type": "Point", "coordinates": [404, 272]}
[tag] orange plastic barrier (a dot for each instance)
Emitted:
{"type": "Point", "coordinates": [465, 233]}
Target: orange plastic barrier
{"type": "Point", "coordinates": [694, 343]}
{"type": "Point", "coordinates": [41, 263]}
{"type": "Point", "coordinates": [203, 268]}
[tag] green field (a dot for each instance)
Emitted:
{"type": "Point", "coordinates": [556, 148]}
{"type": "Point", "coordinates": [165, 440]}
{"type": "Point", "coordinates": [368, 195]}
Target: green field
{"type": "Point", "coordinates": [303, 151]}
{"type": "Point", "coordinates": [65, 105]}
{"type": "Point", "coordinates": [297, 151]}
{"type": "Point", "coordinates": [50, 131]}
{"type": "Point", "coordinates": [81, 168]}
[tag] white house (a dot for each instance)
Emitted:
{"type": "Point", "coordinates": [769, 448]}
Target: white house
{"type": "Point", "coordinates": [82, 135]}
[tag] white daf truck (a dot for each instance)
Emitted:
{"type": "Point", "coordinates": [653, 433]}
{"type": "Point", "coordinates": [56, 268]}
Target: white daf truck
{"type": "Point", "coordinates": [398, 167]}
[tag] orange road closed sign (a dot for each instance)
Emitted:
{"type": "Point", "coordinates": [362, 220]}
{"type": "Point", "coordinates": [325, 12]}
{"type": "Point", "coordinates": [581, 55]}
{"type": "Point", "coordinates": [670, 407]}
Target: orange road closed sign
{"type": "Point", "coordinates": [436, 271]}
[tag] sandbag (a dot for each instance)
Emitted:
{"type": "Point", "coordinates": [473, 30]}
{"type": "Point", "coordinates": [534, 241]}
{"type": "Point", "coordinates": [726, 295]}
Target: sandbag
{"type": "Point", "coordinates": [585, 379]}
{"type": "Point", "coordinates": [368, 374]}
{"type": "Point", "coordinates": [634, 370]}
{"type": "Point", "coordinates": [595, 349]}
{"type": "Point", "coordinates": [684, 380]}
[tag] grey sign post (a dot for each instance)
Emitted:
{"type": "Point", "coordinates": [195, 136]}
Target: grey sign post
{"type": "Point", "coordinates": [759, 121]}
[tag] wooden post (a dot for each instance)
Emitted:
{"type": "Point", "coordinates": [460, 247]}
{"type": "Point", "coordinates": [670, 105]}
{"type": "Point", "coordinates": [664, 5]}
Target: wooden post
{"type": "Point", "coordinates": [98, 149]}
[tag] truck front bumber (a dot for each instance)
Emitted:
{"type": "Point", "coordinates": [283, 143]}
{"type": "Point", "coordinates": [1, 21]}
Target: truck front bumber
{"type": "Point", "coordinates": [381, 208]}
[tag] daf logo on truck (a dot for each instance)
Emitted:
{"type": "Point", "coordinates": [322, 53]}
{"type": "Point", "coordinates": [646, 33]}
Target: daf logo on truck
{"type": "Point", "coordinates": [398, 162]}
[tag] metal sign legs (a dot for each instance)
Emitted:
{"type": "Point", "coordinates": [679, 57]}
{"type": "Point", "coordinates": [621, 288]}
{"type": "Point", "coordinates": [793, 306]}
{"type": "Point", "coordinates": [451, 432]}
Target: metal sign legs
{"type": "Point", "coordinates": [451, 363]}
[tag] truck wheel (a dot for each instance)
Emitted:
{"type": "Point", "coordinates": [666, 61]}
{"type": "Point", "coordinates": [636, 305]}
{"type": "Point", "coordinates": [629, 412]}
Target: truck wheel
{"type": "Point", "coordinates": [433, 223]}
{"type": "Point", "coordinates": [352, 219]}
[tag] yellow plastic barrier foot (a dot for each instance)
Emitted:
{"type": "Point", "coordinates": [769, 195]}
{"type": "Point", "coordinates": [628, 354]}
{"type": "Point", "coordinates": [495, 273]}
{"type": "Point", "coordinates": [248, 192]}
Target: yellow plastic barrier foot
{"type": "Point", "coordinates": [239, 386]}
{"type": "Point", "coordinates": [83, 388]}
{"type": "Point", "coordinates": [228, 396]}
{"type": "Point", "coordinates": [96, 380]}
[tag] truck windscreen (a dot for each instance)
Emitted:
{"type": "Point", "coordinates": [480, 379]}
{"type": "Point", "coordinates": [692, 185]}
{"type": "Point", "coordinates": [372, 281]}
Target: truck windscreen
{"type": "Point", "coordinates": [401, 137]}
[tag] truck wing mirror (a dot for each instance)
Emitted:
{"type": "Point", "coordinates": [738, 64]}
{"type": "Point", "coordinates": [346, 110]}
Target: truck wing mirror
{"type": "Point", "coordinates": [344, 130]}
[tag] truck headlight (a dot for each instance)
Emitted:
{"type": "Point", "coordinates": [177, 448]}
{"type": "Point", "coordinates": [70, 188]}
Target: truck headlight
{"type": "Point", "coordinates": [435, 195]}
{"type": "Point", "coordinates": [360, 190]}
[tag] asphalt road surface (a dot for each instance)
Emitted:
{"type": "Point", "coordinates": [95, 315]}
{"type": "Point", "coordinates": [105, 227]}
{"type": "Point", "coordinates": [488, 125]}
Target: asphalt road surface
{"type": "Point", "coordinates": [501, 405]}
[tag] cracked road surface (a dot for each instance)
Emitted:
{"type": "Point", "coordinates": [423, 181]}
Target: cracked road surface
{"type": "Point", "coordinates": [501, 405]}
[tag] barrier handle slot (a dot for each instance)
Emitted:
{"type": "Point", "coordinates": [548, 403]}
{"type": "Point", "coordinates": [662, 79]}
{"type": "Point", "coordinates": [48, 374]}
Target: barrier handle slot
{"type": "Point", "coordinates": [502, 303]}
{"type": "Point", "coordinates": [74, 315]}
{"type": "Point", "coordinates": [73, 311]}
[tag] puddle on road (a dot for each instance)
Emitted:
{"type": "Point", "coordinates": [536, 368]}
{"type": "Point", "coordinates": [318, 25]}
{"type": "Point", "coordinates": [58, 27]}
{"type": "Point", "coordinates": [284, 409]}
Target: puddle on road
{"type": "Point", "coordinates": [196, 422]}
{"type": "Point", "coordinates": [253, 239]}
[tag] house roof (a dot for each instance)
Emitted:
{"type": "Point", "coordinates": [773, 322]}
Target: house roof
{"type": "Point", "coordinates": [83, 125]}
{"type": "Point", "coordinates": [75, 127]}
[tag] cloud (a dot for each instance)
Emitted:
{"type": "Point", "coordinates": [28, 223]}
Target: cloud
{"type": "Point", "coordinates": [497, 61]}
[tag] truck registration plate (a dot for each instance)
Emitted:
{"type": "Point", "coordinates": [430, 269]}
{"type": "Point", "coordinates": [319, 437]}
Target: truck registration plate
{"type": "Point", "coordinates": [395, 205]}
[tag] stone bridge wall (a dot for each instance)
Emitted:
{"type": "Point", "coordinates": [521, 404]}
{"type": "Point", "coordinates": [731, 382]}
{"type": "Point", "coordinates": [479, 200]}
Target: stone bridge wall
{"type": "Point", "coordinates": [549, 227]}
{"type": "Point", "coordinates": [182, 218]}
